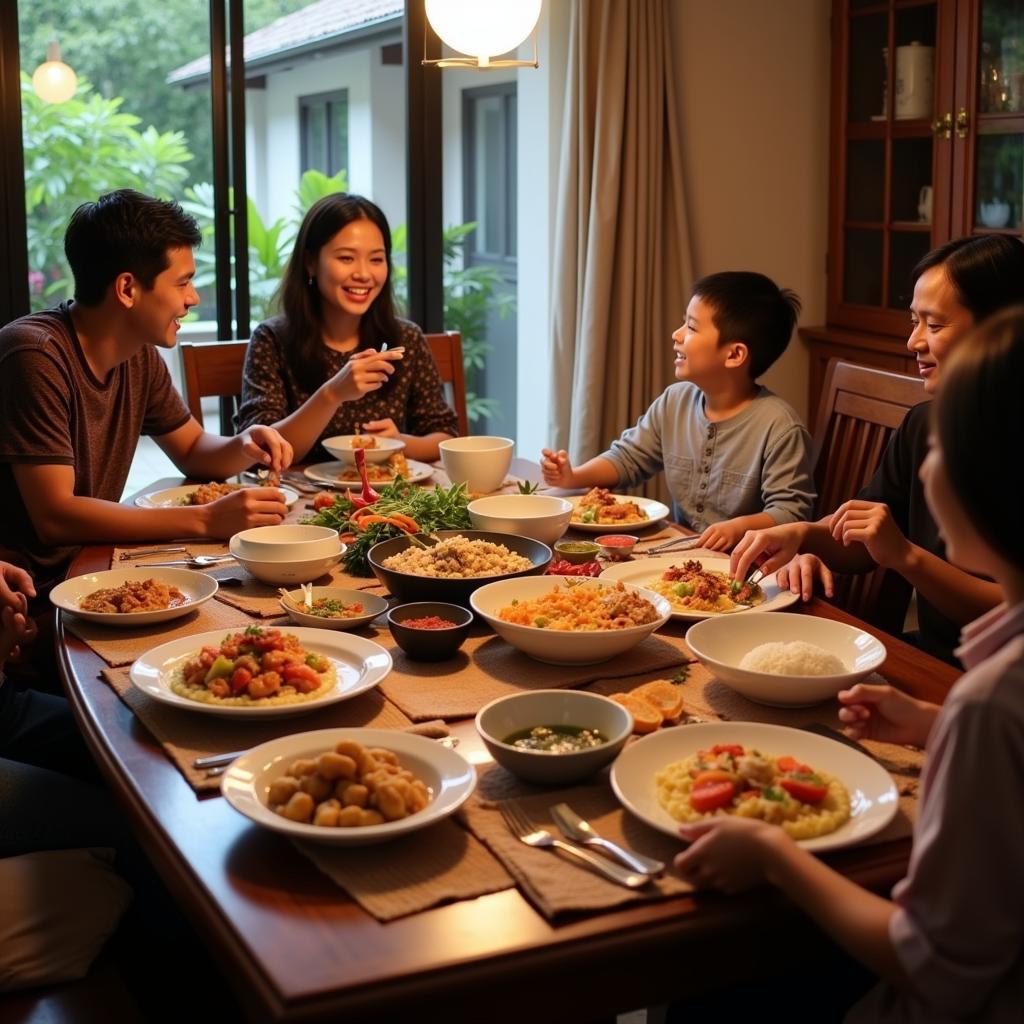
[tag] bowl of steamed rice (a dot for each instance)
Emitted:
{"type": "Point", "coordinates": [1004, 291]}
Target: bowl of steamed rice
{"type": "Point", "coordinates": [570, 620]}
{"type": "Point", "coordinates": [785, 660]}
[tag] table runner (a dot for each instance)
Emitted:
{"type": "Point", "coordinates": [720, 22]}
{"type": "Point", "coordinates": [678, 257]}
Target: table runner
{"type": "Point", "coordinates": [486, 667]}
{"type": "Point", "coordinates": [117, 646]}
{"type": "Point", "coordinates": [553, 883]}
{"type": "Point", "coordinates": [186, 735]}
{"type": "Point", "coordinates": [414, 872]}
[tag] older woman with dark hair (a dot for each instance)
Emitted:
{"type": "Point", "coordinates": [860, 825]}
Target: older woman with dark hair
{"type": "Point", "coordinates": [337, 360]}
{"type": "Point", "coordinates": [888, 524]}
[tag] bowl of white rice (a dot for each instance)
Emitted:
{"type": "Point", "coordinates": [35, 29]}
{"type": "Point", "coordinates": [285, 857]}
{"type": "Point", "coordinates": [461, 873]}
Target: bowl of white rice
{"type": "Point", "coordinates": [785, 660]}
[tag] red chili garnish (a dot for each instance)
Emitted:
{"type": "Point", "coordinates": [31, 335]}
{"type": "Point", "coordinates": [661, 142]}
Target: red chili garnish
{"type": "Point", "coordinates": [563, 568]}
{"type": "Point", "coordinates": [369, 494]}
{"type": "Point", "coordinates": [428, 622]}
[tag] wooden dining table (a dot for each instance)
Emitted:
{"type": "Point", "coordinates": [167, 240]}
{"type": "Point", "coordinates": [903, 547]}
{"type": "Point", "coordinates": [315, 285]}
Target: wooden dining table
{"type": "Point", "coordinates": [295, 947]}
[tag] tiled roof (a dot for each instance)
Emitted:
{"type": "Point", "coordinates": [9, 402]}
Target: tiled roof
{"type": "Point", "coordinates": [322, 20]}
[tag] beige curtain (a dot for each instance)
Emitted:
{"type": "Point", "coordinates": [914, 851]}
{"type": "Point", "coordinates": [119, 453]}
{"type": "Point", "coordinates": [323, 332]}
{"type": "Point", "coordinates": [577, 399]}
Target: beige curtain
{"type": "Point", "coordinates": [622, 250]}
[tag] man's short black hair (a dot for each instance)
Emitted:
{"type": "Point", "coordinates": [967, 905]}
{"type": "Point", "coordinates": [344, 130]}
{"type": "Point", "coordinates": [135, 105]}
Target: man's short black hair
{"type": "Point", "coordinates": [124, 231]}
{"type": "Point", "coordinates": [751, 308]}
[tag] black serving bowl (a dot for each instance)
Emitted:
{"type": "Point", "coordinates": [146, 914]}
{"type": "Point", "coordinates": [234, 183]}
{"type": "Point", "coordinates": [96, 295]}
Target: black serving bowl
{"type": "Point", "coordinates": [407, 587]}
{"type": "Point", "coordinates": [429, 644]}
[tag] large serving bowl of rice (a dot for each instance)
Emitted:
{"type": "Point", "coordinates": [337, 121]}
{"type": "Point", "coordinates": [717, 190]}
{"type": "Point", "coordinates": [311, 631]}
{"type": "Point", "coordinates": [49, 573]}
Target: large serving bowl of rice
{"type": "Point", "coordinates": [451, 570]}
{"type": "Point", "coordinates": [785, 660]}
{"type": "Point", "coordinates": [563, 620]}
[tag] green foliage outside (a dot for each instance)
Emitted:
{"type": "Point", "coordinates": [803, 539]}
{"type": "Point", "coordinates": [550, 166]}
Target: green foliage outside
{"type": "Point", "coordinates": [77, 150]}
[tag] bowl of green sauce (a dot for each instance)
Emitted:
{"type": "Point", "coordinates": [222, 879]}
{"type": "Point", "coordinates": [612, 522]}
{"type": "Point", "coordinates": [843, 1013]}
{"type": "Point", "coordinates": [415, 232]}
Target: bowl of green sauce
{"type": "Point", "coordinates": [554, 737]}
{"type": "Point", "coordinates": [577, 551]}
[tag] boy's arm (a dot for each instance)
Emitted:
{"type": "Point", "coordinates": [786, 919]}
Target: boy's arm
{"type": "Point", "coordinates": [61, 518]}
{"type": "Point", "coordinates": [559, 472]}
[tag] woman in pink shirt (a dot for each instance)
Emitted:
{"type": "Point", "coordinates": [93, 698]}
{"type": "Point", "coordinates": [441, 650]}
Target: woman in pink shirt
{"type": "Point", "coordinates": [949, 946]}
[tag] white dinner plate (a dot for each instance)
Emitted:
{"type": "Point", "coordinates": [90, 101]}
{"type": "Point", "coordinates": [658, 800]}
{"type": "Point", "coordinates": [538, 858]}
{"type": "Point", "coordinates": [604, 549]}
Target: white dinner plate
{"type": "Point", "coordinates": [873, 797]}
{"type": "Point", "coordinates": [448, 776]}
{"type": "Point", "coordinates": [641, 571]}
{"type": "Point", "coordinates": [196, 586]}
{"type": "Point", "coordinates": [331, 473]}
{"type": "Point", "coordinates": [656, 512]}
{"type": "Point", "coordinates": [175, 496]}
{"type": "Point", "coordinates": [360, 665]}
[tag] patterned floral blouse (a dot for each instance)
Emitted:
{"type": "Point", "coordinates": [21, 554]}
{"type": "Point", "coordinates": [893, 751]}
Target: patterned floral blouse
{"type": "Point", "coordinates": [413, 397]}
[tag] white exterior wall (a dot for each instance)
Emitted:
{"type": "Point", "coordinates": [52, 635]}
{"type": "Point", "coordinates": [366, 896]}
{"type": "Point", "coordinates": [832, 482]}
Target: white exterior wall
{"type": "Point", "coordinates": [276, 175]}
{"type": "Point", "coordinates": [377, 168]}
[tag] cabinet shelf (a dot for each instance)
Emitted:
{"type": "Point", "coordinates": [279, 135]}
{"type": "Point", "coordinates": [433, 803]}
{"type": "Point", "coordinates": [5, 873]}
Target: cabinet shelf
{"type": "Point", "coordinates": [897, 187]}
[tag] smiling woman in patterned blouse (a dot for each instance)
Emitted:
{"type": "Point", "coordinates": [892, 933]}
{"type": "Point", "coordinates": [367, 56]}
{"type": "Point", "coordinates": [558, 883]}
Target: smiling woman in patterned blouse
{"type": "Point", "coordinates": [321, 368]}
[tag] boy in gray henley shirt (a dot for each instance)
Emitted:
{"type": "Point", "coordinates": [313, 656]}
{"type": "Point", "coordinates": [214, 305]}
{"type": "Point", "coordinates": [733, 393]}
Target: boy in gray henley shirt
{"type": "Point", "coordinates": [736, 457]}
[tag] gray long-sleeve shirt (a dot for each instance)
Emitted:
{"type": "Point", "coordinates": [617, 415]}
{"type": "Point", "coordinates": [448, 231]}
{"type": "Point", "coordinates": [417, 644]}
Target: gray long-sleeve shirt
{"type": "Point", "coordinates": [756, 461]}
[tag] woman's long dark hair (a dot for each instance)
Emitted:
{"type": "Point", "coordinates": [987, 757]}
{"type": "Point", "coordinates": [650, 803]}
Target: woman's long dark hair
{"type": "Point", "coordinates": [987, 271]}
{"type": "Point", "coordinates": [978, 418]}
{"type": "Point", "coordinates": [300, 301]}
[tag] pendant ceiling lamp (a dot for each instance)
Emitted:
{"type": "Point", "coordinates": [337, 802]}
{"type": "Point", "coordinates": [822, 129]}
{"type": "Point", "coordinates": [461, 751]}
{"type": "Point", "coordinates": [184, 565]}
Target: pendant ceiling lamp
{"type": "Point", "coordinates": [482, 30]}
{"type": "Point", "coordinates": [53, 80]}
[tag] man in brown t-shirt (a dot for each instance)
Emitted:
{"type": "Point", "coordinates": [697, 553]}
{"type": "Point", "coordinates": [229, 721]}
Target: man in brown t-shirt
{"type": "Point", "coordinates": [80, 383]}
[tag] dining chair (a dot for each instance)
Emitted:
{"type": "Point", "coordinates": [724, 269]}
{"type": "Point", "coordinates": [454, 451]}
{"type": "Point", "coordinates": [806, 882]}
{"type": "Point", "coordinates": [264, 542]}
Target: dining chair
{"type": "Point", "coordinates": [214, 369]}
{"type": "Point", "coordinates": [860, 409]}
{"type": "Point", "coordinates": [446, 348]}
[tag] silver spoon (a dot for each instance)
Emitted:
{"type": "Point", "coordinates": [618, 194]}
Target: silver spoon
{"type": "Point", "coordinates": [198, 562]}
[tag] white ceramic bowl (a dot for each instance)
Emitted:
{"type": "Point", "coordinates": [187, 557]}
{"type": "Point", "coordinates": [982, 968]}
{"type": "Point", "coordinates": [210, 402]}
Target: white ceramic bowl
{"type": "Point", "coordinates": [372, 607]}
{"type": "Point", "coordinates": [559, 647]}
{"type": "Point", "coordinates": [287, 543]}
{"type": "Point", "coordinates": [721, 644]}
{"type": "Point", "coordinates": [341, 448]}
{"type": "Point", "coordinates": [507, 715]}
{"type": "Point", "coordinates": [277, 572]}
{"type": "Point", "coordinates": [480, 463]}
{"type": "Point", "coordinates": [448, 776]}
{"type": "Point", "coordinates": [196, 586]}
{"type": "Point", "coordinates": [539, 516]}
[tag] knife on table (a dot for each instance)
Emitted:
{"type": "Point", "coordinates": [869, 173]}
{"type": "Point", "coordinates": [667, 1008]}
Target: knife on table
{"type": "Point", "coordinates": [581, 831]}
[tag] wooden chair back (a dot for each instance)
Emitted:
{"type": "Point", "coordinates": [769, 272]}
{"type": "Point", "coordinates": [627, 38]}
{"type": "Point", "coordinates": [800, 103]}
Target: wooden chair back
{"type": "Point", "coordinates": [860, 409]}
{"type": "Point", "coordinates": [214, 369]}
{"type": "Point", "coordinates": [446, 348]}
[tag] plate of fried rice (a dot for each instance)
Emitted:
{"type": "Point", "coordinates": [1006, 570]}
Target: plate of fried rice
{"type": "Point", "coordinates": [700, 588]}
{"type": "Point", "coordinates": [570, 620]}
{"type": "Point", "coordinates": [203, 494]}
{"type": "Point", "coordinates": [134, 596]}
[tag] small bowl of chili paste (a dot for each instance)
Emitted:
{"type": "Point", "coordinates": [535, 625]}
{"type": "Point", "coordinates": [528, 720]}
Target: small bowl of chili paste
{"type": "Point", "coordinates": [617, 546]}
{"type": "Point", "coordinates": [429, 630]}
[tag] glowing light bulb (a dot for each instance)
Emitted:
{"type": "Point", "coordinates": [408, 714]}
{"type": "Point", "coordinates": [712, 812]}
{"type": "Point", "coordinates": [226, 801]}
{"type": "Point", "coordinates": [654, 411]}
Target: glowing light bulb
{"type": "Point", "coordinates": [53, 80]}
{"type": "Point", "coordinates": [483, 28]}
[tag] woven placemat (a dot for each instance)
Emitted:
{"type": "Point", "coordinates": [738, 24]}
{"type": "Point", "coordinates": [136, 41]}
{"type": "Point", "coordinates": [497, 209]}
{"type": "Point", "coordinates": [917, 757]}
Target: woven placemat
{"type": "Point", "coordinates": [486, 667]}
{"type": "Point", "coordinates": [186, 735]}
{"type": "Point", "coordinates": [118, 646]}
{"type": "Point", "coordinates": [417, 871]}
{"type": "Point", "coordinates": [552, 882]}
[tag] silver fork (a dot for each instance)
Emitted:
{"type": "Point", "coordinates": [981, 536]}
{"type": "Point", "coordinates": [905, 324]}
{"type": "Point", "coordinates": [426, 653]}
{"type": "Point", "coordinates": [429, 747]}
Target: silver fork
{"type": "Point", "coordinates": [526, 832]}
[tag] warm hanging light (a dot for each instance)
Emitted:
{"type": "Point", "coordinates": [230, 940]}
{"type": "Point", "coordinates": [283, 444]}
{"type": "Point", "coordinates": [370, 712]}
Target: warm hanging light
{"type": "Point", "coordinates": [483, 29]}
{"type": "Point", "coordinates": [54, 81]}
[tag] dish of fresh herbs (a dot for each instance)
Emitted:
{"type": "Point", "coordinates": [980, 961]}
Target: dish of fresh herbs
{"type": "Point", "coordinates": [400, 509]}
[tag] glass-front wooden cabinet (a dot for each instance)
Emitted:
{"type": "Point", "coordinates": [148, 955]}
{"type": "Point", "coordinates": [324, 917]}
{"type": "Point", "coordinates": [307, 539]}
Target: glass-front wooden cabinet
{"type": "Point", "coordinates": [927, 144]}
